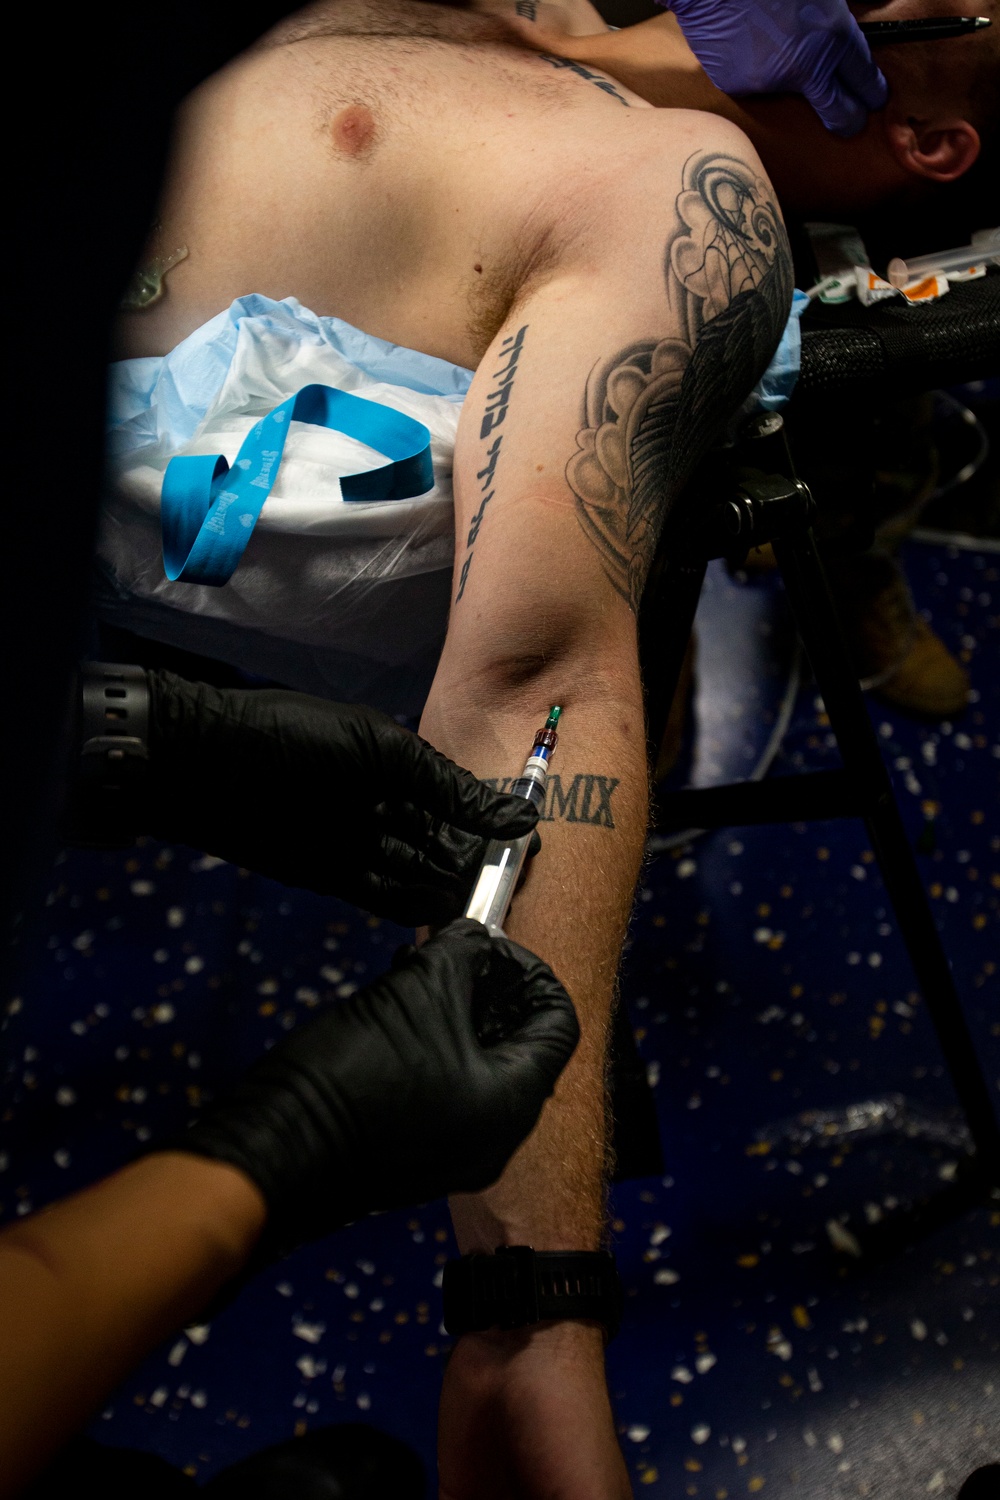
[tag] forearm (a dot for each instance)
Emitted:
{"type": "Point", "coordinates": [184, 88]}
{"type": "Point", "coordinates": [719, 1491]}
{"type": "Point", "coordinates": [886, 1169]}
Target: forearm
{"type": "Point", "coordinates": [812, 170]}
{"type": "Point", "coordinates": [652, 58]}
{"type": "Point", "coordinates": [89, 1286]}
{"type": "Point", "coordinates": [572, 910]}
{"type": "Point", "coordinates": [559, 17]}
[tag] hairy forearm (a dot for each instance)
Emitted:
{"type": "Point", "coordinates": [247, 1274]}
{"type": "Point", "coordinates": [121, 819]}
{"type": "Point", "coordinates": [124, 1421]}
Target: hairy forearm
{"type": "Point", "coordinates": [89, 1286]}
{"type": "Point", "coordinates": [572, 910]}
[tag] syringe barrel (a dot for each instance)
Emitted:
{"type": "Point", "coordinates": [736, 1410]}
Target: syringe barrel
{"type": "Point", "coordinates": [503, 861]}
{"type": "Point", "coordinates": [902, 272]}
{"type": "Point", "coordinates": [497, 881]}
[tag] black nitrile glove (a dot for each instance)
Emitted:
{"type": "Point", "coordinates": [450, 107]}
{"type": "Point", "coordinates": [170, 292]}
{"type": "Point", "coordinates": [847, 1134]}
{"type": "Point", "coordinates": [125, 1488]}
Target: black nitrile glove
{"type": "Point", "coordinates": [393, 1097]}
{"type": "Point", "coordinates": [329, 796]}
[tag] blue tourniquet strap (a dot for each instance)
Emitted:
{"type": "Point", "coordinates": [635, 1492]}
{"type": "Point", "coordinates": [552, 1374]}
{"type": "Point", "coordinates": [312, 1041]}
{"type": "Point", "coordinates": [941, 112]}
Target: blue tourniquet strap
{"type": "Point", "coordinates": [208, 510]}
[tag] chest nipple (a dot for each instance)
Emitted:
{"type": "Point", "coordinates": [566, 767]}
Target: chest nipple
{"type": "Point", "coordinates": [353, 130]}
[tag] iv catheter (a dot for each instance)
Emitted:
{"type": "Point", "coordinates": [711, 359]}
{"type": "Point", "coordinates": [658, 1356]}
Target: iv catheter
{"type": "Point", "coordinates": [503, 861]}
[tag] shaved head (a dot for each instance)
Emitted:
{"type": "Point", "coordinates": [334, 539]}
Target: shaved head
{"type": "Point", "coordinates": [961, 73]}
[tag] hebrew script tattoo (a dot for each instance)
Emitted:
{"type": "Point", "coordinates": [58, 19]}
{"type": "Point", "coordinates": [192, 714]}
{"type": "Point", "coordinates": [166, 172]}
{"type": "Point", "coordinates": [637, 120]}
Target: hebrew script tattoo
{"type": "Point", "coordinates": [604, 84]}
{"type": "Point", "coordinates": [494, 415]}
{"type": "Point", "coordinates": [528, 9]}
{"type": "Point", "coordinates": [585, 799]}
{"type": "Point", "coordinates": [654, 409]}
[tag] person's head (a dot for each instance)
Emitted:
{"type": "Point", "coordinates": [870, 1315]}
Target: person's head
{"type": "Point", "coordinates": [935, 142]}
{"type": "Point", "coordinates": [944, 96]}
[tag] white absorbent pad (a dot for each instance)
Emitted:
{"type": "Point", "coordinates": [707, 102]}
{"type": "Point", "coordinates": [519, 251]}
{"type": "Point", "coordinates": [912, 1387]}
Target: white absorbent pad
{"type": "Point", "coordinates": [345, 599]}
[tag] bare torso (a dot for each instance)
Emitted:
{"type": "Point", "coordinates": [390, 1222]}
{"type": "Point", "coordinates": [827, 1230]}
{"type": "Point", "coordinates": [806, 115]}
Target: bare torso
{"type": "Point", "coordinates": [406, 167]}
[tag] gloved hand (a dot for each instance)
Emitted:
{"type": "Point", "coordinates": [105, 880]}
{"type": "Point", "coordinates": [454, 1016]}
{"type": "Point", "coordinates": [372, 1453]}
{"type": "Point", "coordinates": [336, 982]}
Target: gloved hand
{"type": "Point", "coordinates": [329, 796]}
{"type": "Point", "coordinates": [810, 47]}
{"type": "Point", "coordinates": [393, 1097]}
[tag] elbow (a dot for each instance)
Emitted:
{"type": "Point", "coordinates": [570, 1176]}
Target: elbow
{"type": "Point", "coordinates": [512, 677]}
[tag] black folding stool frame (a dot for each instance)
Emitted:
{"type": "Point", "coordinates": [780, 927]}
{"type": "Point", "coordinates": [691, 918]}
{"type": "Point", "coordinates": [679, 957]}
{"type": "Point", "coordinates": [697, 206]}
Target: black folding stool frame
{"type": "Point", "coordinates": [754, 497]}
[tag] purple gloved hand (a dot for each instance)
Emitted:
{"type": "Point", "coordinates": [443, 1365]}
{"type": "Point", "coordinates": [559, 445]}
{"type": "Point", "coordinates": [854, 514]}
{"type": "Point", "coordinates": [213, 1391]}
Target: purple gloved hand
{"type": "Point", "coordinates": [809, 47]}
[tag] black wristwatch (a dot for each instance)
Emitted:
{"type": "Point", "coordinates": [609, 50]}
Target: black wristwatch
{"type": "Point", "coordinates": [518, 1286]}
{"type": "Point", "coordinates": [110, 757]}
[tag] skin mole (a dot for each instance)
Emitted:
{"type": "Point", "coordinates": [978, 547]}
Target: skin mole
{"type": "Point", "coordinates": [353, 129]}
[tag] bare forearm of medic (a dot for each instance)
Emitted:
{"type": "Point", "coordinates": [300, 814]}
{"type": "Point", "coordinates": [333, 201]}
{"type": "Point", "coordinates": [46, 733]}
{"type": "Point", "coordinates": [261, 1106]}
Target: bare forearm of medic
{"type": "Point", "coordinates": [587, 415]}
{"type": "Point", "coordinates": [392, 1097]}
{"type": "Point", "coordinates": [423, 1082]}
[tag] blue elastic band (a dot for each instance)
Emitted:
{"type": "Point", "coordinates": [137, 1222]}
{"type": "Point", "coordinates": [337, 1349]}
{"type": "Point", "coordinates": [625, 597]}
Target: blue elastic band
{"type": "Point", "coordinates": [208, 510]}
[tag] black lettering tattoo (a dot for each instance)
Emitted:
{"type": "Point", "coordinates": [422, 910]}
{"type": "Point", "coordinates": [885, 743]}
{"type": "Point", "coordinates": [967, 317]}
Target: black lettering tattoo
{"type": "Point", "coordinates": [495, 414]}
{"type": "Point", "coordinates": [528, 9]}
{"type": "Point", "coordinates": [654, 409]}
{"type": "Point", "coordinates": [604, 84]}
{"type": "Point", "coordinates": [477, 520]}
{"type": "Point", "coordinates": [492, 454]}
{"type": "Point", "coordinates": [504, 378]}
{"type": "Point", "coordinates": [587, 798]}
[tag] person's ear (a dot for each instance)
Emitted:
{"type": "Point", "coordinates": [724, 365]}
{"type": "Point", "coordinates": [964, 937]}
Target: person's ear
{"type": "Point", "coordinates": [939, 150]}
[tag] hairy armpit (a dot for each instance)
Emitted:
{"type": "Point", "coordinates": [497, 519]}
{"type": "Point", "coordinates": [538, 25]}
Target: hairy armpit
{"type": "Point", "coordinates": [653, 409]}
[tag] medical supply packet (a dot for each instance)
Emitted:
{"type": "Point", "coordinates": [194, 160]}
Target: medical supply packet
{"type": "Point", "coordinates": [844, 271]}
{"type": "Point", "coordinates": [340, 598]}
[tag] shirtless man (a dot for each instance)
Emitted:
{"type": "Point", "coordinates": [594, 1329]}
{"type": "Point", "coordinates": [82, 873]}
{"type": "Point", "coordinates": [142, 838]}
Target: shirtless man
{"type": "Point", "coordinates": [619, 277]}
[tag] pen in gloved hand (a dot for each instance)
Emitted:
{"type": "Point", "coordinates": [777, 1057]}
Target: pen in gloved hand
{"type": "Point", "coordinates": [809, 47]}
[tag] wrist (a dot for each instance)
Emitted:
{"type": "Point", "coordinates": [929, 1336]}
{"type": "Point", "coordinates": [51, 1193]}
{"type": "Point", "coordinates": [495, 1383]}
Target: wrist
{"type": "Point", "coordinates": [568, 1353]}
{"type": "Point", "coordinates": [556, 1336]}
{"type": "Point", "coordinates": [481, 1227]}
{"type": "Point", "coordinates": [225, 1207]}
{"type": "Point", "coordinates": [518, 1288]}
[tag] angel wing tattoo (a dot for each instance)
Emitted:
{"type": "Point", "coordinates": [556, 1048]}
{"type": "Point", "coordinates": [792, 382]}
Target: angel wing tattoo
{"type": "Point", "coordinates": [652, 410]}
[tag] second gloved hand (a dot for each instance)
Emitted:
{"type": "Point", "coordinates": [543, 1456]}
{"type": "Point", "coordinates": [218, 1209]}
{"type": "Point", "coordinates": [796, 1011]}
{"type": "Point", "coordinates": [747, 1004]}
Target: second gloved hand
{"type": "Point", "coordinates": [422, 1084]}
{"type": "Point", "coordinates": [809, 47]}
{"type": "Point", "coordinates": [330, 796]}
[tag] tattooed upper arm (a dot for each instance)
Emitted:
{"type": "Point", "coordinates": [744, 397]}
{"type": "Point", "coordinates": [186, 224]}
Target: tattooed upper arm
{"type": "Point", "coordinates": [653, 409]}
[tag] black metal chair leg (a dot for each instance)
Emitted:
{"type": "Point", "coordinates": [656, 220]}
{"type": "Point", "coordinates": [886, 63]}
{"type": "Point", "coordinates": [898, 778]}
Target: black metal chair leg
{"type": "Point", "coordinates": [819, 626]}
{"type": "Point", "coordinates": [666, 620]}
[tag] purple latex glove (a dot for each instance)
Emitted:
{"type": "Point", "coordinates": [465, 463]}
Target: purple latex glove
{"type": "Point", "coordinates": [809, 47]}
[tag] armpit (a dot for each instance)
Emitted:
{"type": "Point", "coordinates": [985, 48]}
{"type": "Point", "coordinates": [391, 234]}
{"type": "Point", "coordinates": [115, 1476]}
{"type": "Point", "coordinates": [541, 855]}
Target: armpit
{"type": "Point", "coordinates": [653, 409]}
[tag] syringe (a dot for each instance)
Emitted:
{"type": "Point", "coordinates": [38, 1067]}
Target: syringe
{"type": "Point", "coordinates": [503, 862]}
{"type": "Point", "coordinates": [985, 247]}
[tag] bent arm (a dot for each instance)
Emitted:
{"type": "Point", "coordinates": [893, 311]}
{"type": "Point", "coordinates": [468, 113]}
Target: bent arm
{"type": "Point", "coordinates": [90, 1286]}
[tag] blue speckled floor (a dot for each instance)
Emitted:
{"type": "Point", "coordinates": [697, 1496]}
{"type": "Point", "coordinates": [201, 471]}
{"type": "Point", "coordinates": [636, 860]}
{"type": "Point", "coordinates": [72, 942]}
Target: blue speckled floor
{"type": "Point", "coordinates": [764, 978]}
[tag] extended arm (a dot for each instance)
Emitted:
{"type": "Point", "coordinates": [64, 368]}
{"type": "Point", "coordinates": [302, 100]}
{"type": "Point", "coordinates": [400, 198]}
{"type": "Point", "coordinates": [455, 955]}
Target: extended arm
{"type": "Point", "coordinates": [603, 388]}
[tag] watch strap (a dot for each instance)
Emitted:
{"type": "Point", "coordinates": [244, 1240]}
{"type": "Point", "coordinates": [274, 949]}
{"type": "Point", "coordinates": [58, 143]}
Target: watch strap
{"type": "Point", "coordinates": [112, 756]}
{"type": "Point", "coordinates": [518, 1286]}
